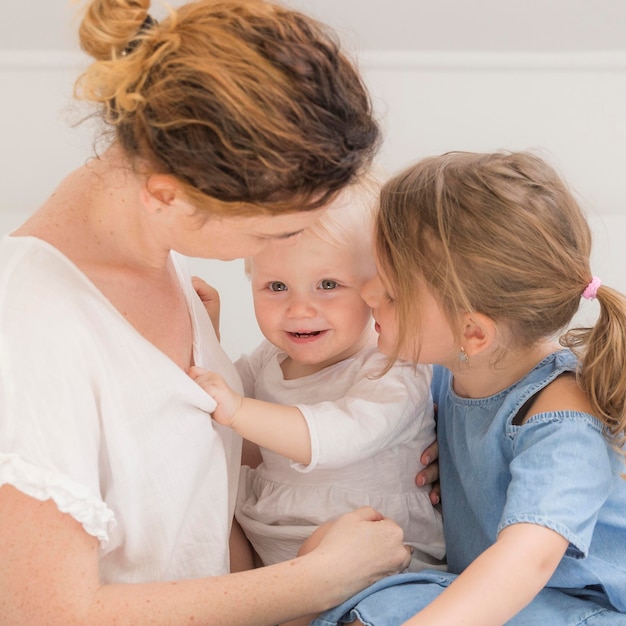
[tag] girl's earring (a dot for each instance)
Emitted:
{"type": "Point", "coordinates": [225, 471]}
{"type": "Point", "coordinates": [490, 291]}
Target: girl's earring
{"type": "Point", "coordinates": [463, 357]}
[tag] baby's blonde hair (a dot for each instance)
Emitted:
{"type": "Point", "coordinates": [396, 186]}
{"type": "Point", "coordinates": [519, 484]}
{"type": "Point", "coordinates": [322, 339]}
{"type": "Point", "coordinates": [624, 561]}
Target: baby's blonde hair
{"type": "Point", "coordinates": [501, 234]}
{"type": "Point", "coordinates": [351, 217]}
{"type": "Point", "coordinates": [349, 221]}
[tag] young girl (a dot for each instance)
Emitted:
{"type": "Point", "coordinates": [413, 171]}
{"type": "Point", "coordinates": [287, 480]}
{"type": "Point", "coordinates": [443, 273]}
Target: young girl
{"type": "Point", "coordinates": [483, 259]}
{"type": "Point", "coordinates": [334, 434]}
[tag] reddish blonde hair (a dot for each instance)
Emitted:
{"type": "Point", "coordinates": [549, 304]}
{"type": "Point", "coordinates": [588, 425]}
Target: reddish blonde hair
{"type": "Point", "coordinates": [245, 102]}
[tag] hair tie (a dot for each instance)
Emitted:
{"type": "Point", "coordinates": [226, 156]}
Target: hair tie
{"type": "Point", "coordinates": [146, 25]}
{"type": "Point", "coordinates": [592, 288]}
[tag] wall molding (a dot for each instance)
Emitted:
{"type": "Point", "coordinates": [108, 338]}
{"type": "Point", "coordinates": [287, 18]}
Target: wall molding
{"type": "Point", "coordinates": [477, 61]}
{"type": "Point", "coordinates": [379, 60]}
{"type": "Point", "coordinates": [42, 59]}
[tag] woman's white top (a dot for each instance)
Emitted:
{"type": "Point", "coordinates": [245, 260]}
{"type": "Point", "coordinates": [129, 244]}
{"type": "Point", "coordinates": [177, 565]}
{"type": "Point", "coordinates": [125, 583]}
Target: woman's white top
{"type": "Point", "coordinates": [367, 436]}
{"type": "Point", "coordinates": [95, 417]}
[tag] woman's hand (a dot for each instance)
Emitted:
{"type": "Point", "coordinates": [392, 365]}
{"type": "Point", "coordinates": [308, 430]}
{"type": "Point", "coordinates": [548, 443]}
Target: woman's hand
{"type": "Point", "coordinates": [330, 534]}
{"type": "Point", "coordinates": [314, 540]}
{"type": "Point", "coordinates": [360, 547]}
{"type": "Point", "coordinates": [430, 474]}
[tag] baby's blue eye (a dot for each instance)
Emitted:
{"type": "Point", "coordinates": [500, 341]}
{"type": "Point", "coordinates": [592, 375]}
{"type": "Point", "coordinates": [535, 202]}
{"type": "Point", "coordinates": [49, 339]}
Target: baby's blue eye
{"type": "Point", "coordinates": [276, 285]}
{"type": "Point", "coordinates": [327, 283]}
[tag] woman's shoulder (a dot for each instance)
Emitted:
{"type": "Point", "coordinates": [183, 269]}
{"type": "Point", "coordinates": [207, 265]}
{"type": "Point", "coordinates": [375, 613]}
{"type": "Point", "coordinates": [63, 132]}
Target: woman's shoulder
{"type": "Point", "coordinates": [45, 300]}
{"type": "Point", "coordinates": [31, 259]}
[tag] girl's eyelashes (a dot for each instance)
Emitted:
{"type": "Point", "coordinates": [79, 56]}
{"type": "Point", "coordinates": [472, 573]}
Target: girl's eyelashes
{"type": "Point", "coordinates": [388, 297]}
{"type": "Point", "coordinates": [277, 285]}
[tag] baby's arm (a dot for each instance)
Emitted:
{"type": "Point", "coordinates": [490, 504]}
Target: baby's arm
{"type": "Point", "coordinates": [500, 582]}
{"type": "Point", "coordinates": [276, 427]}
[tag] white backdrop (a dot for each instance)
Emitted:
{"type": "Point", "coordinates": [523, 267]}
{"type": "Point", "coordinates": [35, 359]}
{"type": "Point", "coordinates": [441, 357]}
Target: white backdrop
{"type": "Point", "coordinates": [569, 105]}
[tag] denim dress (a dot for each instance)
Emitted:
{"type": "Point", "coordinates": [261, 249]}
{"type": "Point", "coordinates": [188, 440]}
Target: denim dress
{"type": "Point", "coordinates": [556, 470]}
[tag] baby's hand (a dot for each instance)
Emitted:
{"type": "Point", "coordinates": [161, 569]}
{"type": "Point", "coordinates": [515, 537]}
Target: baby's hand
{"type": "Point", "coordinates": [211, 300]}
{"type": "Point", "coordinates": [228, 402]}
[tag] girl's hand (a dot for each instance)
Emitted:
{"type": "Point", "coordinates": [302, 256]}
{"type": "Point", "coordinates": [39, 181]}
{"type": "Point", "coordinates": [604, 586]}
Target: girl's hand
{"type": "Point", "coordinates": [211, 299]}
{"type": "Point", "coordinates": [228, 402]}
{"type": "Point", "coordinates": [430, 474]}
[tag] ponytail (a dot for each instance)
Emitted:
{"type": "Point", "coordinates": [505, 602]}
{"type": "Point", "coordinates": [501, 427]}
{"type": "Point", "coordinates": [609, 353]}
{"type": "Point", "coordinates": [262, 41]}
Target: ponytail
{"type": "Point", "coordinates": [601, 351]}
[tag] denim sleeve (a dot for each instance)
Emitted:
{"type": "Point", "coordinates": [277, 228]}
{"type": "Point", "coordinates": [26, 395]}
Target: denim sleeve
{"type": "Point", "coordinates": [562, 472]}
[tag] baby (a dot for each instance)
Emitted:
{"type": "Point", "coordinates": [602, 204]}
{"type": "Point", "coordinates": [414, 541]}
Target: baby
{"type": "Point", "coordinates": [337, 427]}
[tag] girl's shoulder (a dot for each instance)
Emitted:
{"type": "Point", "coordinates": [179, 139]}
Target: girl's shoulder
{"type": "Point", "coordinates": [550, 388]}
{"type": "Point", "coordinates": [561, 394]}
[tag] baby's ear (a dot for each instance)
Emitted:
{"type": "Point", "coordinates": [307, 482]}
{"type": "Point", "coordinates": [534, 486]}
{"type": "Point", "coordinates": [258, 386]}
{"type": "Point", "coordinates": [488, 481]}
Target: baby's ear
{"type": "Point", "coordinates": [478, 333]}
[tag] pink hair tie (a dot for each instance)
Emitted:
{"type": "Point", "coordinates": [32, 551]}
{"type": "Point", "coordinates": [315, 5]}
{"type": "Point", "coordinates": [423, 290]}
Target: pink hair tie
{"type": "Point", "coordinates": [592, 288]}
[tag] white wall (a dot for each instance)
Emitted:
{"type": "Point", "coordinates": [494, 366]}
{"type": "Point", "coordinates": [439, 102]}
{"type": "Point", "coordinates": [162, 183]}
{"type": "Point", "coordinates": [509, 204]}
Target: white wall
{"type": "Point", "coordinates": [568, 104]}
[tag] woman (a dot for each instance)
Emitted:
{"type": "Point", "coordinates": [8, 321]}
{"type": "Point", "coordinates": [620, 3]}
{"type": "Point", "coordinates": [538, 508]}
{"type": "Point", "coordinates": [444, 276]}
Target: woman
{"type": "Point", "coordinates": [234, 123]}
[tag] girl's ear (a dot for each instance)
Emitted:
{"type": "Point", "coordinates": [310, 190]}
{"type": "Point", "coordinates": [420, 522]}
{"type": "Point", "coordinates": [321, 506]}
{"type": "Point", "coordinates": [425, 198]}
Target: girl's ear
{"type": "Point", "coordinates": [478, 333]}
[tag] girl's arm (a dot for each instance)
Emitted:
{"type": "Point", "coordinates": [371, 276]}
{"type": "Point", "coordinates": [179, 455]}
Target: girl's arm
{"type": "Point", "coordinates": [49, 575]}
{"type": "Point", "coordinates": [276, 427]}
{"type": "Point", "coordinates": [509, 574]}
{"type": "Point", "coordinates": [500, 582]}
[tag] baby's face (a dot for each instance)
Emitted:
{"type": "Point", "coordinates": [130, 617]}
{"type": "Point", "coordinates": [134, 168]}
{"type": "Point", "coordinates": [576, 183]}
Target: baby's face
{"type": "Point", "coordinates": [307, 299]}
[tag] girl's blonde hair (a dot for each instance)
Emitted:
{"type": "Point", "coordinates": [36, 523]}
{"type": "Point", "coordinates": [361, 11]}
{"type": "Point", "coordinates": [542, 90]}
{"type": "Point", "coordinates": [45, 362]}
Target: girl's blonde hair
{"type": "Point", "coordinates": [245, 102]}
{"type": "Point", "coordinates": [501, 234]}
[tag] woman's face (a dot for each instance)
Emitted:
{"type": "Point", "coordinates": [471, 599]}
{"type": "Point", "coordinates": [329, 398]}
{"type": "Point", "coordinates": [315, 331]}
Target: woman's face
{"type": "Point", "coordinates": [199, 232]}
{"type": "Point", "coordinates": [228, 238]}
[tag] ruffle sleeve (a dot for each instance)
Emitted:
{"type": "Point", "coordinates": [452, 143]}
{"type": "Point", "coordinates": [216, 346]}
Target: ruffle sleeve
{"type": "Point", "coordinates": [69, 496]}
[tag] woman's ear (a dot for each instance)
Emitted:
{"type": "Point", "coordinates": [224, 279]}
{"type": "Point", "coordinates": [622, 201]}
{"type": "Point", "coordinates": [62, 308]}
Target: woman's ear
{"type": "Point", "coordinates": [478, 333]}
{"type": "Point", "coordinates": [160, 192]}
